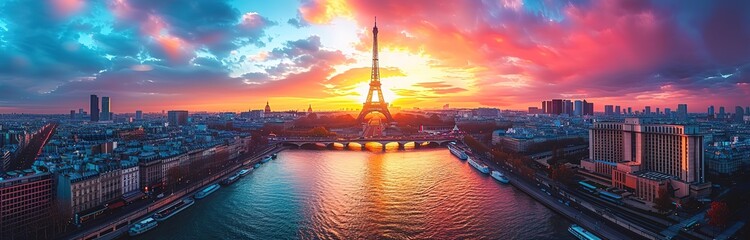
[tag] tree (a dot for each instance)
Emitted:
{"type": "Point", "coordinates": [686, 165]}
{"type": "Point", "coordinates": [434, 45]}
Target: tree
{"type": "Point", "coordinates": [718, 214]}
{"type": "Point", "coordinates": [663, 202]}
{"type": "Point", "coordinates": [319, 132]}
{"type": "Point", "coordinates": [690, 204]}
{"type": "Point", "coordinates": [564, 175]}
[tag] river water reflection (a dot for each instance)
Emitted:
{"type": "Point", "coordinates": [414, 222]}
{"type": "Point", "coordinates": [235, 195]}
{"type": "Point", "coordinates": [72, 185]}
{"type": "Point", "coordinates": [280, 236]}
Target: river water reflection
{"type": "Point", "coordinates": [342, 194]}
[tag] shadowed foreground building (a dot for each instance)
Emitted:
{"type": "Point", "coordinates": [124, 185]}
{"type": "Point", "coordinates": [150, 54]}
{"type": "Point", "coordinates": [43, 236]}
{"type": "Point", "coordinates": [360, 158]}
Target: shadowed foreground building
{"type": "Point", "coordinates": [644, 158]}
{"type": "Point", "coordinates": [25, 201]}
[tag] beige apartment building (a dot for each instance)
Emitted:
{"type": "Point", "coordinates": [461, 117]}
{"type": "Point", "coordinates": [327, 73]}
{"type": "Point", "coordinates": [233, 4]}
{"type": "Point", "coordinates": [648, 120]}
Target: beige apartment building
{"type": "Point", "coordinates": [642, 158]}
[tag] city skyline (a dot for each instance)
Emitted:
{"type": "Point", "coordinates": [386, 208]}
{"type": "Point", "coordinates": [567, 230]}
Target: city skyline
{"type": "Point", "coordinates": [235, 56]}
{"type": "Point", "coordinates": [369, 119]}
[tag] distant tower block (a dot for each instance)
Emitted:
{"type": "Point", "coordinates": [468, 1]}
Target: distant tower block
{"type": "Point", "coordinates": [370, 104]}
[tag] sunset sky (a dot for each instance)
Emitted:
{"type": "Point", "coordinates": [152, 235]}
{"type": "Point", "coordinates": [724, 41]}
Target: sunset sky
{"type": "Point", "coordinates": [219, 55]}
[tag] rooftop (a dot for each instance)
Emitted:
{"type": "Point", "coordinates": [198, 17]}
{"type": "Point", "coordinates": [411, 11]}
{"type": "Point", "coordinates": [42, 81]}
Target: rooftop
{"type": "Point", "coordinates": [656, 176]}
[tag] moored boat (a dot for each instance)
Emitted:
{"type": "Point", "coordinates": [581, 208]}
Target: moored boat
{"type": "Point", "coordinates": [206, 191]}
{"type": "Point", "coordinates": [142, 226]}
{"type": "Point", "coordinates": [230, 179]}
{"type": "Point", "coordinates": [456, 151]}
{"type": "Point", "coordinates": [497, 175]}
{"type": "Point", "coordinates": [581, 233]}
{"type": "Point", "coordinates": [244, 172]}
{"type": "Point", "coordinates": [172, 209]}
{"type": "Point", "coordinates": [265, 159]}
{"type": "Point", "coordinates": [274, 156]}
{"type": "Point", "coordinates": [479, 166]}
{"type": "Point", "coordinates": [256, 166]}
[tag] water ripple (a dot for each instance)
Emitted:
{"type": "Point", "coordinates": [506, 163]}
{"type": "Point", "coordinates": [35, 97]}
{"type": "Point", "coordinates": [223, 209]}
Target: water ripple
{"type": "Point", "coordinates": [423, 194]}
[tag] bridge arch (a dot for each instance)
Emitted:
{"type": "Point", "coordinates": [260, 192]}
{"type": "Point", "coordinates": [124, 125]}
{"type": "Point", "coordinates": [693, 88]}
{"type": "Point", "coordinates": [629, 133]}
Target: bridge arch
{"type": "Point", "coordinates": [290, 144]}
{"type": "Point", "coordinates": [393, 144]}
{"type": "Point", "coordinates": [311, 145]}
{"type": "Point", "coordinates": [336, 145]}
{"type": "Point", "coordinates": [355, 146]}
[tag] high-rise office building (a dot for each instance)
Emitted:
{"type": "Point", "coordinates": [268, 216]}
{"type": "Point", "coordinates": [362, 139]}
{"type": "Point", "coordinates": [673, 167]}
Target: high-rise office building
{"type": "Point", "coordinates": [568, 107]}
{"type": "Point", "coordinates": [177, 117]}
{"type": "Point", "coordinates": [647, 110]}
{"type": "Point", "coordinates": [138, 115]}
{"type": "Point", "coordinates": [557, 106]}
{"type": "Point", "coordinates": [72, 114]}
{"type": "Point", "coordinates": [105, 109]}
{"type": "Point", "coordinates": [617, 110]}
{"type": "Point", "coordinates": [667, 111]}
{"type": "Point", "coordinates": [588, 108]}
{"type": "Point", "coordinates": [25, 203]}
{"type": "Point", "coordinates": [711, 111]}
{"type": "Point", "coordinates": [658, 111]}
{"type": "Point", "coordinates": [549, 107]}
{"type": "Point", "coordinates": [94, 108]}
{"type": "Point", "coordinates": [722, 113]}
{"type": "Point", "coordinates": [544, 107]}
{"type": "Point", "coordinates": [739, 113]}
{"type": "Point", "coordinates": [630, 110]}
{"type": "Point", "coordinates": [578, 110]}
{"type": "Point", "coordinates": [644, 157]}
{"type": "Point", "coordinates": [682, 111]}
{"type": "Point", "coordinates": [608, 110]}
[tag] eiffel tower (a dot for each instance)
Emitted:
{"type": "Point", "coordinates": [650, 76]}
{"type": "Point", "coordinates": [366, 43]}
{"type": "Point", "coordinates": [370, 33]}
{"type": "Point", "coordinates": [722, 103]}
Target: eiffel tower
{"type": "Point", "coordinates": [370, 104]}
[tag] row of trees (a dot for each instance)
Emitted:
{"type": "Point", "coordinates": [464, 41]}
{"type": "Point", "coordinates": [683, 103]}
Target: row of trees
{"type": "Point", "coordinates": [559, 157]}
{"type": "Point", "coordinates": [196, 170]}
{"type": "Point", "coordinates": [555, 144]}
{"type": "Point", "coordinates": [405, 119]}
{"type": "Point", "coordinates": [481, 127]}
{"type": "Point", "coordinates": [312, 120]}
{"type": "Point", "coordinates": [518, 161]}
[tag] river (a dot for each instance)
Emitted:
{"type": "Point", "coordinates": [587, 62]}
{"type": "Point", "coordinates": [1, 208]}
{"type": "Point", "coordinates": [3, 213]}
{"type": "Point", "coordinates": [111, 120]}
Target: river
{"type": "Point", "coordinates": [343, 194]}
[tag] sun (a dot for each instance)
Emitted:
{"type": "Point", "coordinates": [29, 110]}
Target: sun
{"type": "Point", "coordinates": [363, 87]}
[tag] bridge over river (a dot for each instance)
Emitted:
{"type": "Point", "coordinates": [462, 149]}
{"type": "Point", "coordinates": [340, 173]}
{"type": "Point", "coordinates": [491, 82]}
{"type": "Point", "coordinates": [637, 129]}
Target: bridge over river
{"type": "Point", "coordinates": [402, 141]}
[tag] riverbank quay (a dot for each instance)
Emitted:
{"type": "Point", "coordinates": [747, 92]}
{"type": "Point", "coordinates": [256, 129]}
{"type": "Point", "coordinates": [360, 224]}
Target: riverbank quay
{"type": "Point", "coordinates": [575, 211]}
{"type": "Point", "coordinates": [119, 225]}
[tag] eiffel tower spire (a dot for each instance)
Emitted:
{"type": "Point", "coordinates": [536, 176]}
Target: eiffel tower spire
{"type": "Point", "coordinates": [372, 105]}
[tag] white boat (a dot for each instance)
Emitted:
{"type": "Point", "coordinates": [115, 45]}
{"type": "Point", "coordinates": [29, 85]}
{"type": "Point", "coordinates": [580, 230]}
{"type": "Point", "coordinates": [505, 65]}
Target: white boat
{"type": "Point", "coordinates": [142, 226]}
{"type": "Point", "coordinates": [456, 151]}
{"type": "Point", "coordinates": [479, 166]}
{"type": "Point", "coordinates": [244, 172]}
{"type": "Point", "coordinates": [581, 233]}
{"type": "Point", "coordinates": [265, 159]}
{"type": "Point", "coordinates": [206, 191]}
{"type": "Point", "coordinates": [497, 175]}
{"type": "Point", "coordinates": [172, 209]}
